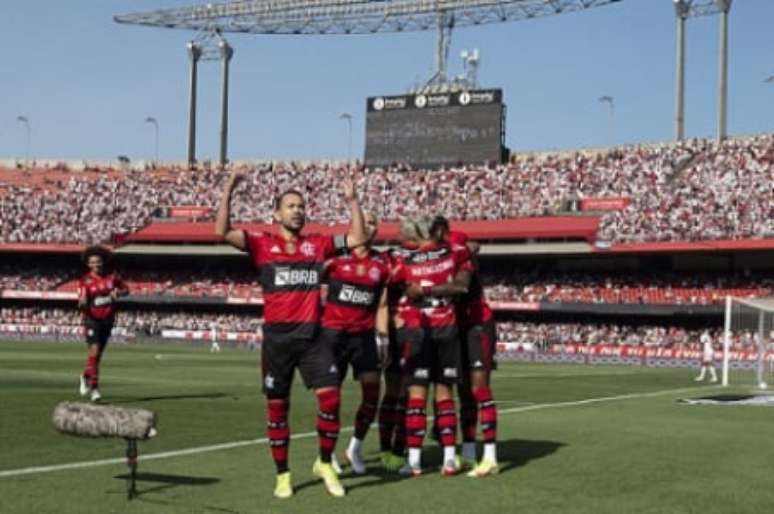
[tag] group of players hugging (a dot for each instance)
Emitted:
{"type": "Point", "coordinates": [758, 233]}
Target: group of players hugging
{"type": "Point", "coordinates": [414, 314]}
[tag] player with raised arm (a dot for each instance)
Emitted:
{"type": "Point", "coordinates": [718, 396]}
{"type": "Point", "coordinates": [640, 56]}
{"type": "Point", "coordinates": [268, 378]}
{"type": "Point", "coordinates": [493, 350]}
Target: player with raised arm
{"type": "Point", "coordinates": [433, 274]}
{"type": "Point", "coordinates": [97, 290]}
{"type": "Point", "coordinates": [355, 324]}
{"type": "Point", "coordinates": [478, 338]}
{"type": "Point", "coordinates": [290, 265]}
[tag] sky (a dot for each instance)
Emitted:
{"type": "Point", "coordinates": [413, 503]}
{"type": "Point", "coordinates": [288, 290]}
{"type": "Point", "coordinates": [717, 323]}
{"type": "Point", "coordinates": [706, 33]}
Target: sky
{"type": "Point", "coordinates": [87, 84]}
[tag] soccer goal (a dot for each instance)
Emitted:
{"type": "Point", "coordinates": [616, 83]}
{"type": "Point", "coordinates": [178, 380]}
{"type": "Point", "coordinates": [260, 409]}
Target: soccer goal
{"type": "Point", "coordinates": [748, 342]}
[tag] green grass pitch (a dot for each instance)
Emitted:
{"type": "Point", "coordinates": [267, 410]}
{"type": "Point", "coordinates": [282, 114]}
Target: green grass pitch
{"type": "Point", "coordinates": [572, 439]}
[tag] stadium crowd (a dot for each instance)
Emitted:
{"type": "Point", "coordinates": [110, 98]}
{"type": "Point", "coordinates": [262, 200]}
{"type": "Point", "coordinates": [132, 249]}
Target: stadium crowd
{"type": "Point", "coordinates": [148, 323]}
{"type": "Point", "coordinates": [694, 190]}
{"type": "Point", "coordinates": [630, 288]}
{"type": "Point", "coordinates": [499, 285]}
{"type": "Point", "coordinates": [544, 334]}
{"type": "Point", "coordinates": [541, 335]}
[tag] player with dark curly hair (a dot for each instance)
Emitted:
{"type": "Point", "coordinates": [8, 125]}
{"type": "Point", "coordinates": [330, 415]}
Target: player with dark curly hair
{"type": "Point", "coordinates": [97, 291]}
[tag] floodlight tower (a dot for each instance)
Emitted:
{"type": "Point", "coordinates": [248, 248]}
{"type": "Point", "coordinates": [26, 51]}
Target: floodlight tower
{"type": "Point", "coordinates": [194, 54]}
{"type": "Point", "coordinates": [691, 8]}
{"type": "Point", "coordinates": [226, 53]}
{"type": "Point", "coordinates": [311, 17]}
{"type": "Point", "coordinates": [682, 8]}
{"type": "Point", "coordinates": [210, 46]}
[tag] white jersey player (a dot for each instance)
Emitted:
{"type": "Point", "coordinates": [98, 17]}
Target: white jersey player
{"type": "Point", "coordinates": [214, 346]}
{"type": "Point", "coordinates": [707, 358]}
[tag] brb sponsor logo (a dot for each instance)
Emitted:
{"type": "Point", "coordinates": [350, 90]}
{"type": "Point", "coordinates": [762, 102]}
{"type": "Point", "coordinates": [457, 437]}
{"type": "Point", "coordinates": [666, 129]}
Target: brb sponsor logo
{"type": "Point", "coordinates": [293, 277]}
{"type": "Point", "coordinates": [350, 294]}
{"type": "Point", "coordinates": [99, 301]}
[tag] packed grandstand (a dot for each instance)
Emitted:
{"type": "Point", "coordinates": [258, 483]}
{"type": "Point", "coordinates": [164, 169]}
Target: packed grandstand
{"type": "Point", "coordinates": [690, 191]}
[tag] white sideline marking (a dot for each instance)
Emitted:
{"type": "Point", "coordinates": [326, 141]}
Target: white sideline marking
{"type": "Point", "coordinates": [306, 435]}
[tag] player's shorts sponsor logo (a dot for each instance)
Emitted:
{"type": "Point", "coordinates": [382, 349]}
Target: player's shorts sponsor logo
{"type": "Point", "coordinates": [268, 382]}
{"type": "Point", "coordinates": [99, 301]}
{"type": "Point", "coordinates": [351, 294]}
{"type": "Point", "coordinates": [450, 372]}
{"type": "Point", "coordinates": [421, 373]}
{"type": "Point", "coordinates": [292, 277]}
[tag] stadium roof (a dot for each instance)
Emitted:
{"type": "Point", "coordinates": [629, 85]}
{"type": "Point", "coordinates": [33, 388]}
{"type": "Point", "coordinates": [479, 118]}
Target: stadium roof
{"type": "Point", "coordinates": [349, 16]}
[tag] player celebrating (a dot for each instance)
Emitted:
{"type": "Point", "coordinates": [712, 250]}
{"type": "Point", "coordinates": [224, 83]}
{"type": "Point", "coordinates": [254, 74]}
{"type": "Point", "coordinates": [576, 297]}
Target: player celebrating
{"type": "Point", "coordinates": [97, 290]}
{"type": "Point", "coordinates": [707, 358]}
{"type": "Point", "coordinates": [434, 273]}
{"type": "Point", "coordinates": [290, 264]}
{"type": "Point", "coordinates": [478, 339]}
{"type": "Point", "coordinates": [355, 306]}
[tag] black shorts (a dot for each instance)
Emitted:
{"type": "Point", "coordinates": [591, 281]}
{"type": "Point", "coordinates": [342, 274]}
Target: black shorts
{"type": "Point", "coordinates": [98, 330]}
{"type": "Point", "coordinates": [280, 356]}
{"type": "Point", "coordinates": [430, 355]}
{"type": "Point", "coordinates": [355, 349]}
{"type": "Point", "coordinates": [478, 347]}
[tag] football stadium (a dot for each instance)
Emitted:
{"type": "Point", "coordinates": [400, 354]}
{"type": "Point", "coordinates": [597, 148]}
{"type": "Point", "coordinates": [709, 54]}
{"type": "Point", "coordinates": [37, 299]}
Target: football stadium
{"type": "Point", "coordinates": [433, 315]}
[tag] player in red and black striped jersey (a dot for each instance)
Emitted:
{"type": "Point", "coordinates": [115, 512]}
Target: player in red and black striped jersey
{"type": "Point", "coordinates": [478, 337]}
{"type": "Point", "coordinates": [290, 265]}
{"type": "Point", "coordinates": [433, 273]}
{"type": "Point", "coordinates": [97, 290]}
{"type": "Point", "coordinates": [355, 323]}
{"type": "Point", "coordinates": [392, 408]}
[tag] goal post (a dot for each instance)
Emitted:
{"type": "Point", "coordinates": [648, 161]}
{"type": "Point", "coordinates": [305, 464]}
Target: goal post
{"type": "Point", "coordinates": [748, 350]}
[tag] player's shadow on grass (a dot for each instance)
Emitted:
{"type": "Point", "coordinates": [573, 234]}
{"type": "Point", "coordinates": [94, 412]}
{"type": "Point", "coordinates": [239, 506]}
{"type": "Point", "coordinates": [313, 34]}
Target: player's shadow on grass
{"type": "Point", "coordinates": [133, 399]}
{"type": "Point", "coordinates": [166, 481]}
{"type": "Point", "coordinates": [515, 453]}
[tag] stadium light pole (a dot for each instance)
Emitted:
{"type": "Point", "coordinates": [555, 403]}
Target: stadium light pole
{"type": "Point", "coordinates": [348, 118]}
{"type": "Point", "coordinates": [226, 53]}
{"type": "Point", "coordinates": [682, 9]}
{"type": "Point", "coordinates": [24, 120]}
{"type": "Point", "coordinates": [194, 53]}
{"type": "Point", "coordinates": [153, 121]}
{"type": "Point", "coordinates": [611, 102]}
{"type": "Point", "coordinates": [724, 6]}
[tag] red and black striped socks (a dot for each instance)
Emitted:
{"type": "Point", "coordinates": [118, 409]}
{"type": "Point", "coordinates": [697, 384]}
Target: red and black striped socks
{"type": "Point", "coordinates": [278, 432]}
{"type": "Point", "coordinates": [328, 425]}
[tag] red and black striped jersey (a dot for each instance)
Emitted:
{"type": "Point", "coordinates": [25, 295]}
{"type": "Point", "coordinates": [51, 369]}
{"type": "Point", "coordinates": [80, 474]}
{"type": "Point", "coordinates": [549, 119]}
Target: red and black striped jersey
{"type": "Point", "coordinates": [290, 273]}
{"type": "Point", "coordinates": [429, 265]}
{"type": "Point", "coordinates": [97, 290]}
{"type": "Point", "coordinates": [355, 285]}
{"type": "Point", "coordinates": [472, 308]}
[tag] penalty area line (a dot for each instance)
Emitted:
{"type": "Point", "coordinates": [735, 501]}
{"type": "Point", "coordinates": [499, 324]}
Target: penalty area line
{"type": "Point", "coordinates": [263, 440]}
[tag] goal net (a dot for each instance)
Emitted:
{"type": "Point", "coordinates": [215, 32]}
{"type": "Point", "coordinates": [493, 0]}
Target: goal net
{"type": "Point", "coordinates": [748, 342]}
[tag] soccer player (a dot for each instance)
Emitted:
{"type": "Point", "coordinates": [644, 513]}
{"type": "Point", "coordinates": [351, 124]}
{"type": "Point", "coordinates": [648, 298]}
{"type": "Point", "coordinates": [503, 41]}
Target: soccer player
{"type": "Point", "coordinates": [97, 290]}
{"type": "Point", "coordinates": [478, 337]}
{"type": "Point", "coordinates": [433, 273]}
{"type": "Point", "coordinates": [392, 408]}
{"type": "Point", "coordinates": [707, 358]}
{"type": "Point", "coordinates": [355, 323]}
{"type": "Point", "coordinates": [290, 264]}
{"type": "Point", "coordinates": [214, 345]}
